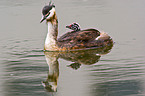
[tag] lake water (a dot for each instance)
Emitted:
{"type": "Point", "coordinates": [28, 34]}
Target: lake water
{"type": "Point", "coordinates": [119, 71]}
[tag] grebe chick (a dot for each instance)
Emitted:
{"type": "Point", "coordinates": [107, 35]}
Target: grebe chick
{"type": "Point", "coordinates": [74, 40]}
{"type": "Point", "coordinates": [74, 27]}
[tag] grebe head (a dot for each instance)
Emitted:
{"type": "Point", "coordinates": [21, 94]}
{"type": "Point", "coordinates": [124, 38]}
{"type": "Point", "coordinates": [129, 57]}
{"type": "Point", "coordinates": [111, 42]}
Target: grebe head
{"type": "Point", "coordinates": [74, 26]}
{"type": "Point", "coordinates": [48, 12]}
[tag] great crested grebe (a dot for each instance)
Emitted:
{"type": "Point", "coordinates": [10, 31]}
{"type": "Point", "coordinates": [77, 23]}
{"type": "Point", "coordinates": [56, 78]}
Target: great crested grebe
{"type": "Point", "coordinates": [74, 40]}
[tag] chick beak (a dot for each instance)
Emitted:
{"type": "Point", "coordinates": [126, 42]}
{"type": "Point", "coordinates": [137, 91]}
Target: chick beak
{"type": "Point", "coordinates": [69, 26]}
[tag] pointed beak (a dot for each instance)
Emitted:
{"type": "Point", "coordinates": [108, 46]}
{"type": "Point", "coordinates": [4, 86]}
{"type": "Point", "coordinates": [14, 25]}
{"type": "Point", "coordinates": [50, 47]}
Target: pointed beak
{"type": "Point", "coordinates": [43, 18]}
{"type": "Point", "coordinates": [68, 26]}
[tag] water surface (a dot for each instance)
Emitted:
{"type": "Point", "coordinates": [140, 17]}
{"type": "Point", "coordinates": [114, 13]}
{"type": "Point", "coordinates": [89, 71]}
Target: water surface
{"type": "Point", "coordinates": [24, 69]}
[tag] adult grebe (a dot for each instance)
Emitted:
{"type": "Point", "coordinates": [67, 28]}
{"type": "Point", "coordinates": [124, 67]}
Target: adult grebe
{"type": "Point", "coordinates": [74, 40]}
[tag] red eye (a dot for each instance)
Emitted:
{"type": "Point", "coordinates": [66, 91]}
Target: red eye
{"type": "Point", "coordinates": [47, 14]}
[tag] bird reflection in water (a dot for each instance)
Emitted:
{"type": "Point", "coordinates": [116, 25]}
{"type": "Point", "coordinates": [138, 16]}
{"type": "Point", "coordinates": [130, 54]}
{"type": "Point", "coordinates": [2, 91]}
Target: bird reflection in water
{"type": "Point", "coordinates": [82, 57]}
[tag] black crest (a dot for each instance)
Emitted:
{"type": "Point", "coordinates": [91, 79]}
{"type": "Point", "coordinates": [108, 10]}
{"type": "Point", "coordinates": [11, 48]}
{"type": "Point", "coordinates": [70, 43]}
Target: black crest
{"type": "Point", "coordinates": [47, 8]}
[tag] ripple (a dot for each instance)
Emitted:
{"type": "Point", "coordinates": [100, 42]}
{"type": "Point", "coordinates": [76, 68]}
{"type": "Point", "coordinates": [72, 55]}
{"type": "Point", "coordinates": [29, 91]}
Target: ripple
{"type": "Point", "coordinates": [125, 69]}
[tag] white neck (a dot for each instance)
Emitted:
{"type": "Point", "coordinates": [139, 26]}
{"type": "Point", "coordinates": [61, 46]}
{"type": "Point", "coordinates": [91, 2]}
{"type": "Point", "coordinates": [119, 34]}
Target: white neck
{"type": "Point", "coordinates": [51, 38]}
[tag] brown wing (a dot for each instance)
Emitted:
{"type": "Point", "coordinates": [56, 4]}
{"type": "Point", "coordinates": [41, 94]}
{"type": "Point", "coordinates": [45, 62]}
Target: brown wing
{"type": "Point", "coordinates": [79, 39]}
{"type": "Point", "coordinates": [83, 35]}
